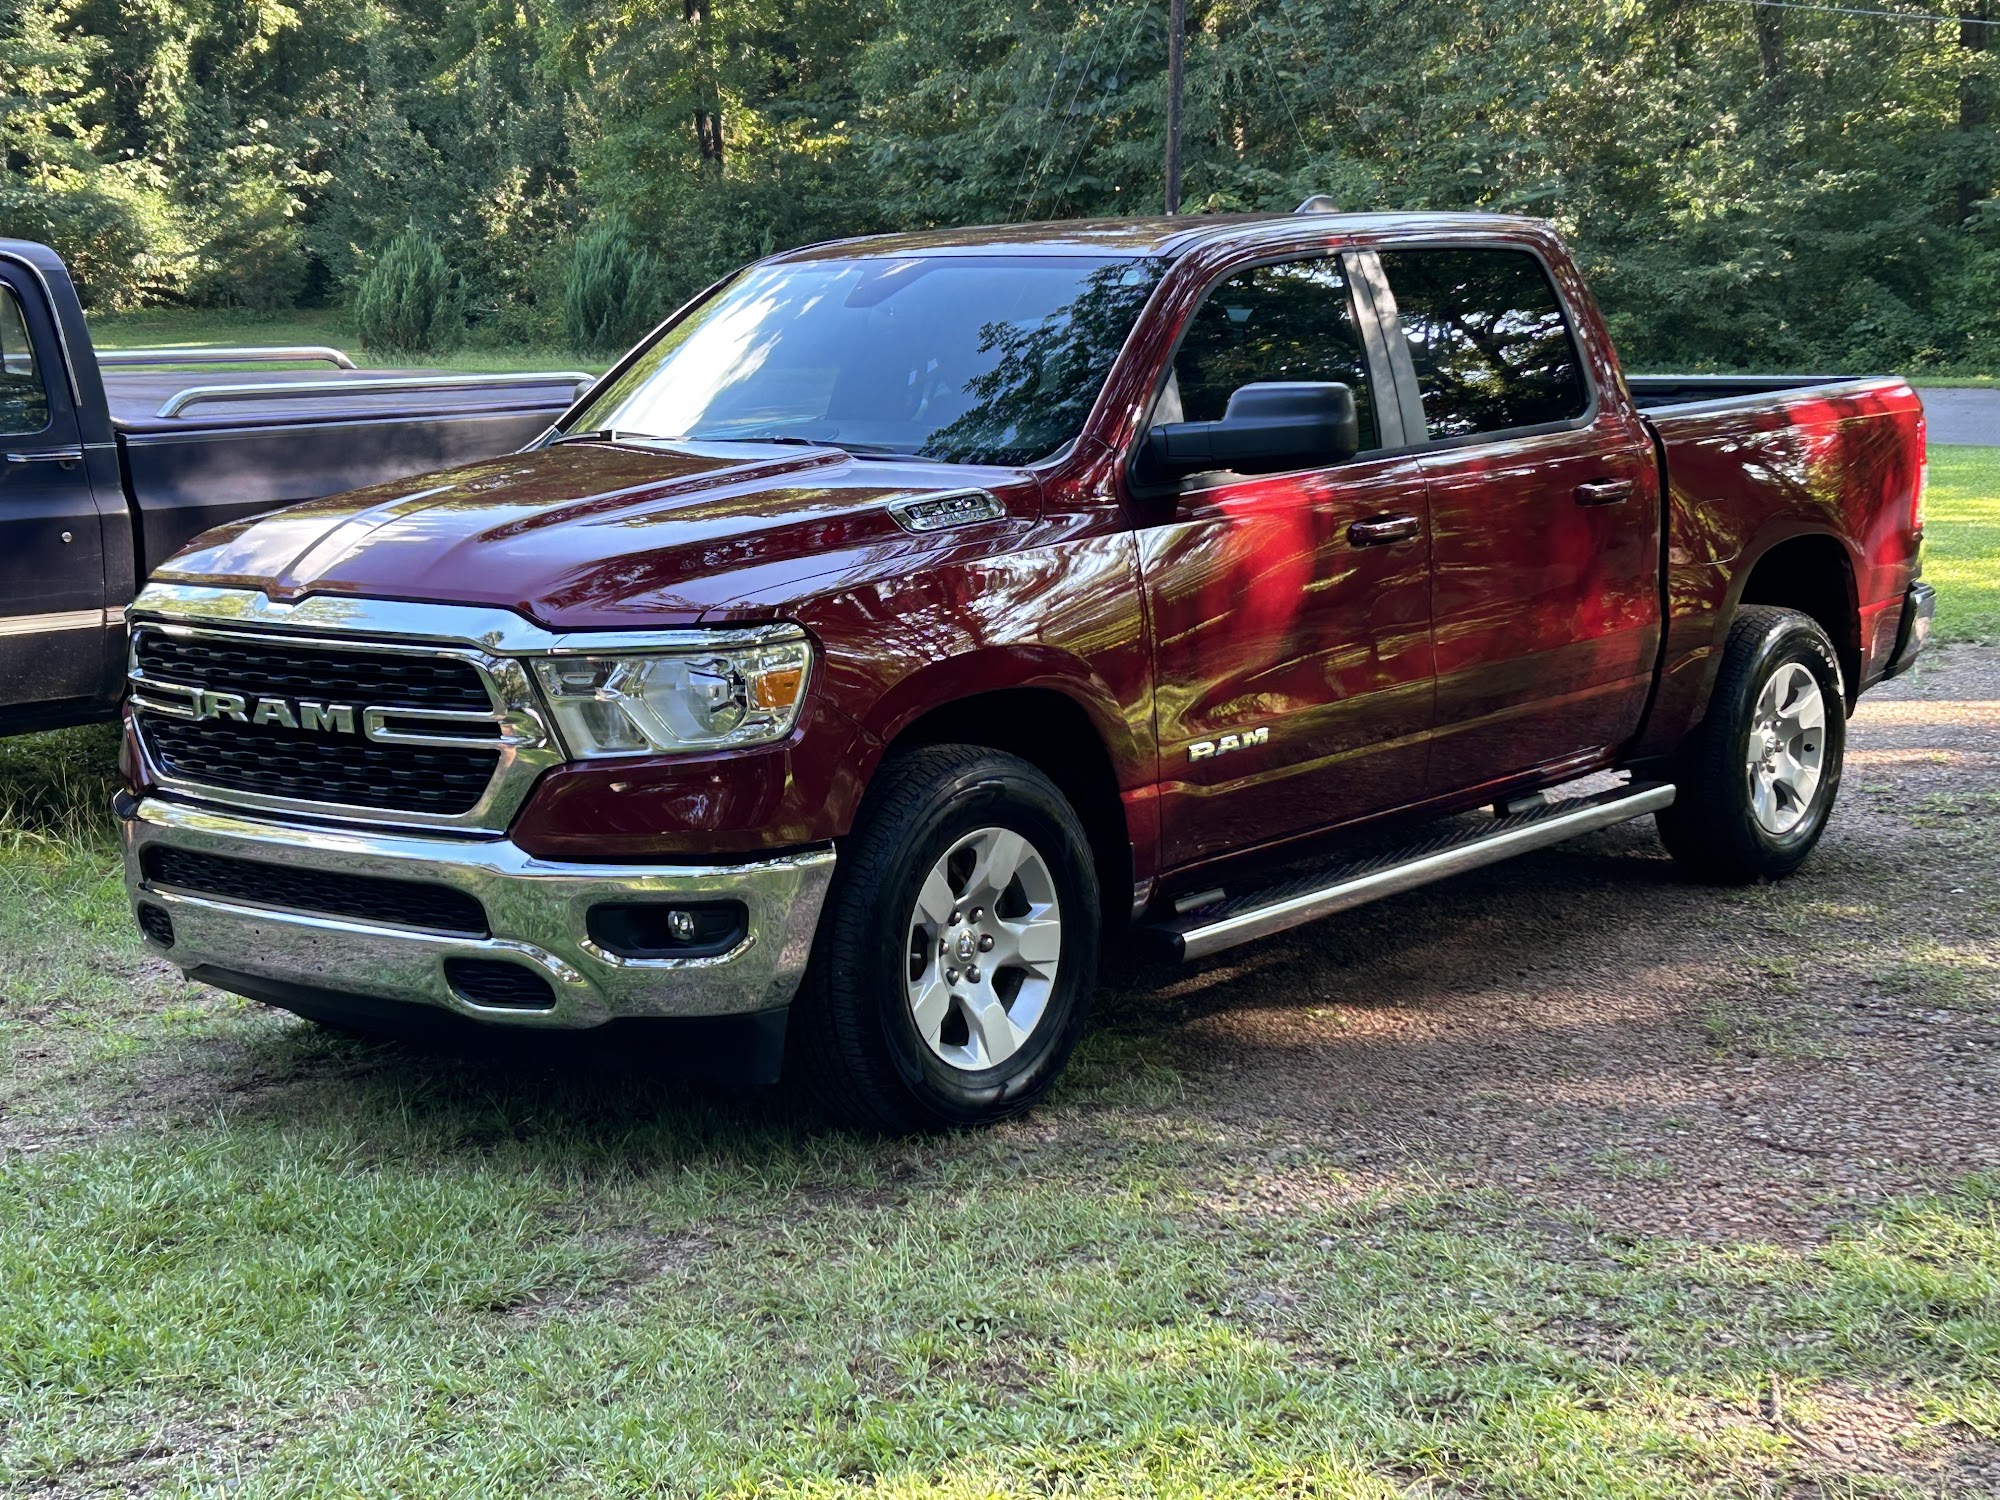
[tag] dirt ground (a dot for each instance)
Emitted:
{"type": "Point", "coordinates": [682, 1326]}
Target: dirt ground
{"type": "Point", "coordinates": [1584, 1028]}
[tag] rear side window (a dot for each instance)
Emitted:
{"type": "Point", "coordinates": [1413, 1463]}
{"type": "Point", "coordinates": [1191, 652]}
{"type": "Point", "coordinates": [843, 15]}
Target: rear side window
{"type": "Point", "coordinates": [1285, 322]}
{"type": "Point", "coordinates": [1489, 341]}
{"type": "Point", "coordinates": [24, 403]}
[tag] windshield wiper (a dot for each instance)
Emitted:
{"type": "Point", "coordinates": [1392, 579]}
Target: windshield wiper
{"type": "Point", "coordinates": [601, 435]}
{"type": "Point", "coordinates": [863, 450]}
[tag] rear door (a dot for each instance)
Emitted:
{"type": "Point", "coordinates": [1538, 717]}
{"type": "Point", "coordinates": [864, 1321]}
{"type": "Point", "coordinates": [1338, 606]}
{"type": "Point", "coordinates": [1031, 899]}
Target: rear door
{"type": "Point", "coordinates": [1544, 514]}
{"type": "Point", "coordinates": [1292, 652]}
{"type": "Point", "coordinates": [51, 550]}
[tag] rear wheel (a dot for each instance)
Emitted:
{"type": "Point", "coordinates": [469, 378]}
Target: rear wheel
{"type": "Point", "coordinates": [1757, 779]}
{"type": "Point", "coordinates": [956, 956]}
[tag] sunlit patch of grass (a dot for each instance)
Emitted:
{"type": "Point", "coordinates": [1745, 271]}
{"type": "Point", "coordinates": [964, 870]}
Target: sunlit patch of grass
{"type": "Point", "coordinates": [1962, 541]}
{"type": "Point", "coordinates": [1952, 976]}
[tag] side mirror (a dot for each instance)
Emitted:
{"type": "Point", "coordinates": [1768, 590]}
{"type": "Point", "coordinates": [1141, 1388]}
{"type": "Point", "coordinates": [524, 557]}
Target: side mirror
{"type": "Point", "coordinates": [1269, 426]}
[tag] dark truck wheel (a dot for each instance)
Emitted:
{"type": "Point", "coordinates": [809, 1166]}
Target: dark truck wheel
{"type": "Point", "coordinates": [953, 969]}
{"type": "Point", "coordinates": [1758, 776]}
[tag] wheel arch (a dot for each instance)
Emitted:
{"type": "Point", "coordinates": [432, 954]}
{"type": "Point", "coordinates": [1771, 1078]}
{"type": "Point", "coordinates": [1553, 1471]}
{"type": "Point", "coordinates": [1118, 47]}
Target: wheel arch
{"type": "Point", "coordinates": [1064, 737]}
{"type": "Point", "coordinates": [1811, 572]}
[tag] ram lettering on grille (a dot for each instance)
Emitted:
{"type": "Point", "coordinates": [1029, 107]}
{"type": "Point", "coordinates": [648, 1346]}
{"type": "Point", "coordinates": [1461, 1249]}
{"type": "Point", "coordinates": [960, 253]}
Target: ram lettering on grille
{"type": "Point", "coordinates": [334, 718]}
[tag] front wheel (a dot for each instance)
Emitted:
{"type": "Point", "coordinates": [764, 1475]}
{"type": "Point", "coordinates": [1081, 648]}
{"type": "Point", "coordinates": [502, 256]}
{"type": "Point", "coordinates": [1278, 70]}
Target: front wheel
{"type": "Point", "coordinates": [1758, 777]}
{"type": "Point", "coordinates": [955, 960]}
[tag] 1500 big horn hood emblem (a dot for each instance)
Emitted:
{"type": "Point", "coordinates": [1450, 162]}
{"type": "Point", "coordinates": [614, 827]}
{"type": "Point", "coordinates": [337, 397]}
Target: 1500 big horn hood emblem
{"type": "Point", "coordinates": [284, 713]}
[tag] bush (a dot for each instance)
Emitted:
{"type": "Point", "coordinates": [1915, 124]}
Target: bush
{"type": "Point", "coordinates": [409, 303]}
{"type": "Point", "coordinates": [612, 295]}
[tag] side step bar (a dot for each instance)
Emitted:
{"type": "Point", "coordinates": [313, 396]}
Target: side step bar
{"type": "Point", "coordinates": [1225, 922]}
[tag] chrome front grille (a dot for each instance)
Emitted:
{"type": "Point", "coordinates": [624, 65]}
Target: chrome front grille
{"type": "Point", "coordinates": [411, 733]}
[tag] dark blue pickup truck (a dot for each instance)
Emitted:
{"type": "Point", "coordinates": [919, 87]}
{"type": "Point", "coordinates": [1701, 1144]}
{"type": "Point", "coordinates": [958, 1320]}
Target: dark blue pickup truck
{"type": "Point", "coordinates": [110, 462]}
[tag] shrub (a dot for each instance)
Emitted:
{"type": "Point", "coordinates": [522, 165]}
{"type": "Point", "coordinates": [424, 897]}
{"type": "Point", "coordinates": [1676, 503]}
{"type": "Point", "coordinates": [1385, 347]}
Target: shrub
{"type": "Point", "coordinates": [409, 303]}
{"type": "Point", "coordinates": [612, 295]}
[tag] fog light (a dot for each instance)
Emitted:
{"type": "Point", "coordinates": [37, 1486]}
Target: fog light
{"type": "Point", "coordinates": [156, 923]}
{"type": "Point", "coordinates": [654, 930]}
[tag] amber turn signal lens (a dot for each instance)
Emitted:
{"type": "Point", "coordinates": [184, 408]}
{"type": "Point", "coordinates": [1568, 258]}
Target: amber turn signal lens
{"type": "Point", "coordinates": [778, 688]}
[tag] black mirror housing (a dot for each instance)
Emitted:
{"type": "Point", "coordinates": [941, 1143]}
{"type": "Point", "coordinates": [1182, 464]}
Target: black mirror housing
{"type": "Point", "coordinates": [1267, 427]}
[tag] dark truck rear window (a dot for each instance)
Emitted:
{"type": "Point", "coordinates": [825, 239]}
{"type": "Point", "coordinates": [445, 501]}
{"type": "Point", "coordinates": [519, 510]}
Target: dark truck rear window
{"type": "Point", "coordinates": [1487, 334]}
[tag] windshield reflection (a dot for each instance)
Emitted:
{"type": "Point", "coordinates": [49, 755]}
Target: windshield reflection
{"type": "Point", "coordinates": [972, 359]}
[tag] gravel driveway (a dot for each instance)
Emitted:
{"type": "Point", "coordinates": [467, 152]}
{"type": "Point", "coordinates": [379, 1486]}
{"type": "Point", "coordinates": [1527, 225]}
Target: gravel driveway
{"type": "Point", "coordinates": [1584, 1027]}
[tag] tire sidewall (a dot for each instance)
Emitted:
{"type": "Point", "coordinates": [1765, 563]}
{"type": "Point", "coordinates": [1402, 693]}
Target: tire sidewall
{"type": "Point", "coordinates": [1792, 640]}
{"type": "Point", "coordinates": [1029, 807]}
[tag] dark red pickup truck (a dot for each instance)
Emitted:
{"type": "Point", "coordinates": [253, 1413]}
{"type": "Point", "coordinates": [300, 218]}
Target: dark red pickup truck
{"type": "Point", "coordinates": [911, 615]}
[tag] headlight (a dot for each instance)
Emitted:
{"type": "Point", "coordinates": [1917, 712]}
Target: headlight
{"type": "Point", "coordinates": [743, 688]}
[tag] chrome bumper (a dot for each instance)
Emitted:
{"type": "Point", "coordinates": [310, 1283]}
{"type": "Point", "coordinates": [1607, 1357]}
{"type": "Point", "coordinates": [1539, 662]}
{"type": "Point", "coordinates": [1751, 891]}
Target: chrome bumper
{"type": "Point", "coordinates": [535, 911]}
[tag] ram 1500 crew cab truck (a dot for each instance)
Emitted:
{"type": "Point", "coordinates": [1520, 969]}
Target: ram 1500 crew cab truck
{"type": "Point", "coordinates": [910, 614]}
{"type": "Point", "coordinates": [111, 460]}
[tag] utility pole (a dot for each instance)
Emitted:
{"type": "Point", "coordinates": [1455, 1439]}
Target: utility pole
{"type": "Point", "coordinates": [1176, 76]}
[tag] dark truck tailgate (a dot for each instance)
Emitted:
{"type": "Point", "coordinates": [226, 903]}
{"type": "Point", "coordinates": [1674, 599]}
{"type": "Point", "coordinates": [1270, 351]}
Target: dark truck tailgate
{"type": "Point", "coordinates": [204, 447]}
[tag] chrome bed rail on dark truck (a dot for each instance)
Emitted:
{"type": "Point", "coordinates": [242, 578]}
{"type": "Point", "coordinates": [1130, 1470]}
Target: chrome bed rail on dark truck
{"type": "Point", "coordinates": [111, 462]}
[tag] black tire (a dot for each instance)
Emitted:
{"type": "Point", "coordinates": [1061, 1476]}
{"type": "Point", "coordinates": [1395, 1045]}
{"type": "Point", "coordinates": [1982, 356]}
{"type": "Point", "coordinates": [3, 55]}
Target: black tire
{"type": "Point", "coordinates": [854, 1041]}
{"type": "Point", "coordinates": [1712, 828]}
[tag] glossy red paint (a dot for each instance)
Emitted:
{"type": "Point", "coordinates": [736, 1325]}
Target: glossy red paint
{"type": "Point", "coordinates": [1546, 609]}
{"type": "Point", "coordinates": [1841, 463]}
{"type": "Point", "coordinates": [1518, 636]}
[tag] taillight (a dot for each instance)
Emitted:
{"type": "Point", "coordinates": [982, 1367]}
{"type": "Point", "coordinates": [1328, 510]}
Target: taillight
{"type": "Point", "coordinates": [1917, 499]}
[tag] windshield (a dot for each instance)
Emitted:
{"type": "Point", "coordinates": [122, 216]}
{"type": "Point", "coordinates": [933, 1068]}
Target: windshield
{"type": "Point", "coordinates": [974, 359]}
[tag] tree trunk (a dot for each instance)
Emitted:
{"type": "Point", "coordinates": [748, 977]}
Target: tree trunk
{"type": "Point", "coordinates": [1973, 113]}
{"type": "Point", "coordinates": [707, 114]}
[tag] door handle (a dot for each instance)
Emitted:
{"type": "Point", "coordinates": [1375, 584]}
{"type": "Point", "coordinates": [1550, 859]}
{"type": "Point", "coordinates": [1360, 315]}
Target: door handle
{"type": "Point", "coordinates": [1383, 531]}
{"type": "Point", "coordinates": [52, 456]}
{"type": "Point", "coordinates": [1604, 492]}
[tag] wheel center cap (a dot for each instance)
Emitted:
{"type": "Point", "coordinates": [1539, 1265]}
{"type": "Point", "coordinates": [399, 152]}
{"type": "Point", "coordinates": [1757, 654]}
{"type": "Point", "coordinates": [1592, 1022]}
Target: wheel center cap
{"type": "Point", "coordinates": [967, 949]}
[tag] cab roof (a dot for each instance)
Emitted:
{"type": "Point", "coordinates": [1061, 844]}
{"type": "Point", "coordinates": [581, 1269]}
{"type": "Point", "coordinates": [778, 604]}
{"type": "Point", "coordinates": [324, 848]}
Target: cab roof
{"type": "Point", "coordinates": [1169, 237]}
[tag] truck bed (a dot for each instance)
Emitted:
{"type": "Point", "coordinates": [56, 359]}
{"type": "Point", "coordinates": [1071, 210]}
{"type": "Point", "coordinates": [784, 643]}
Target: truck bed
{"type": "Point", "coordinates": [1654, 392]}
{"type": "Point", "coordinates": [200, 447]}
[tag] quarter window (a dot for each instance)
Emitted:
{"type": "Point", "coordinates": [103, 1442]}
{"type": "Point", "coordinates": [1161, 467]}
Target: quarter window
{"type": "Point", "coordinates": [1293, 321]}
{"type": "Point", "coordinates": [1487, 335]}
{"type": "Point", "coordinates": [24, 402]}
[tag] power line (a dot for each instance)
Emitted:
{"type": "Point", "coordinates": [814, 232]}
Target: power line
{"type": "Point", "coordinates": [1850, 10]}
{"type": "Point", "coordinates": [1057, 143]}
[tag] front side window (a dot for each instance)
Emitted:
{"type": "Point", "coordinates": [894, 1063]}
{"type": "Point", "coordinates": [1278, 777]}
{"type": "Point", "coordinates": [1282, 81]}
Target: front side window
{"type": "Point", "coordinates": [24, 400]}
{"type": "Point", "coordinates": [968, 358]}
{"type": "Point", "coordinates": [1293, 321]}
{"type": "Point", "coordinates": [1488, 338]}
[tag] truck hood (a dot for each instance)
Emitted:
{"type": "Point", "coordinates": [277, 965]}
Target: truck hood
{"type": "Point", "coordinates": [594, 535]}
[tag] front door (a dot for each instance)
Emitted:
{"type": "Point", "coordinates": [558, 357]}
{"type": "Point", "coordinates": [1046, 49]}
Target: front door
{"type": "Point", "coordinates": [1290, 612]}
{"type": "Point", "coordinates": [51, 547]}
{"type": "Point", "coordinates": [1545, 520]}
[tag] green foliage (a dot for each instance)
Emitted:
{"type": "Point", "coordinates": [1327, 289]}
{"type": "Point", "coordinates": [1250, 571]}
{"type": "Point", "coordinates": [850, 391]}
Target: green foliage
{"type": "Point", "coordinates": [612, 294]}
{"type": "Point", "coordinates": [1747, 186]}
{"type": "Point", "coordinates": [409, 303]}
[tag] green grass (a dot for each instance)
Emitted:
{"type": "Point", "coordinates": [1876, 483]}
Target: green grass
{"type": "Point", "coordinates": [1962, 541]}
{"type": "Point", "coordinates": [238, 1254]}
{"type": "Point", "coordinates": [156, 328]}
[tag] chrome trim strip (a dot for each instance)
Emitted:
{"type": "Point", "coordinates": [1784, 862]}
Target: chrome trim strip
{"type": "Point", "coordinates": [200, 395]}
{"type": "Point", "coordinates": [537, 911]}
{"type": "Point", "coordinates": [68, 619]}
{"type": "Point", "coordinates": [1200, 942]}
{"type": "Point", "coordinates": [326, 617]}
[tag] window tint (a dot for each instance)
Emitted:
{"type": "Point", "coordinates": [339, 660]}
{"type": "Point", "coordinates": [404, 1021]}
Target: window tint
{"type": "Point", "coordinates": [1285, 322]}
{"type": "Point", "coordinates": [24, 404]}
{"type": "Point", "coordinates": [1488, 338]}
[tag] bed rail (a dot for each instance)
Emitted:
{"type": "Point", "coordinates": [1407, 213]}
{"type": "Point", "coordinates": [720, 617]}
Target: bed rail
{"type": "Point", "coordinates": [201, 395]}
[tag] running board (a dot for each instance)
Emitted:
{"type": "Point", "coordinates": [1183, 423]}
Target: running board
{"type": "Point", "coordinates": [1227, 921]}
